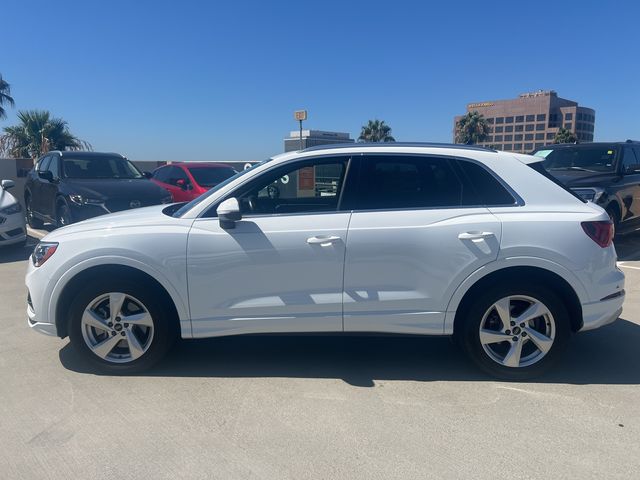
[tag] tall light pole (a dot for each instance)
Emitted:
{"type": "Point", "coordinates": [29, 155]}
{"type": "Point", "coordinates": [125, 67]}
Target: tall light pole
{"type": "Point", "coordinates": [300, 115]}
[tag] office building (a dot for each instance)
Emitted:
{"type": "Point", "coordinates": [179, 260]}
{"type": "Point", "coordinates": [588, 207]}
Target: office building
{"type": "Point", "coordinates": [311, 138]}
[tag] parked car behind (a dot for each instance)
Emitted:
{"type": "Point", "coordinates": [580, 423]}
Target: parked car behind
{"type": "Point", "coordinates": [12, 224]}
{"type": "Point", "coordinates": [188, 180]}
{"type": "Point", "coordinates": [385, 238]}
{"type": "Point", "coordinates": [607, 174]}
{"type": "Point", "coordinates": [66, 187]}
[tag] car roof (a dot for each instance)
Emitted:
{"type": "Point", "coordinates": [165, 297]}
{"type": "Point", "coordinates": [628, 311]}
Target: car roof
{"type": "Point", "coordinates": [586, 145]}
{"type": "Point", "coordinates": [86, 154]}
{"type": "Point", "coordinates": [201, 164]}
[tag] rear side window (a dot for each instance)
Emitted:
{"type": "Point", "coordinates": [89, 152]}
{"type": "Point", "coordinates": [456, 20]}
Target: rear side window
{"type": "Point", "coordinates": [396, 182]}
{"type": "Point", "coordinates": [539, 167]}
{"type": "Point", "coordinates": [490, 191]}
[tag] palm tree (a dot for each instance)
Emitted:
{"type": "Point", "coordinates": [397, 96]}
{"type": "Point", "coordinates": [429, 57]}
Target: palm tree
{"type": "Point", "coordinates": [565, 136]}
{"type": "Point", "coordinates": [5, 97]}
{"type": "Point", "coordinates": [38, 133]}
{"type": "Point", "coordinates": [376, 131]}
{"type": "Point", "coordinates": [472, 128]}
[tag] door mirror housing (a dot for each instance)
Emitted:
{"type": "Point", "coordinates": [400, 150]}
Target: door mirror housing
{"type": "Point", "coordinates": [46, 175]}
{"type": "Point", "coordinates": [229, 213]}
{"type": "Point", "coordinates": [183, 184]}
{"type": "Point", "coordinates": [7, 184]}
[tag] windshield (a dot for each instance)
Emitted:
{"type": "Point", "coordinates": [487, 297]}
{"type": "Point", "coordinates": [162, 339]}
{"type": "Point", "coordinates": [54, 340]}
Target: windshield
{"type": "Point", "coordinates": [188, 206]}
{"type": "Point", "coordinates": [211, 176]}
{"type": "Point", "coordinates": [579, 158]}
{"type": "Point", "coordinates": [100, 167]}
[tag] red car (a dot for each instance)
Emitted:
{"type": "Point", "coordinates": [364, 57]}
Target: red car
{"type": "Point", "coordinates": [188, 180]}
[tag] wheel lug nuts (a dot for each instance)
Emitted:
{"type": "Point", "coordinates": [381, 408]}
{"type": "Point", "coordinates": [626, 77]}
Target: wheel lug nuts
{"type": "Point", "coordinates": [512, 323]}
{"type": "Point", "coordinates": [508, 332]}
{"type": "Point", "coordinates": [110, 324]}
{"type": "Point", "coordinates": [113, 333]}
{"type": "Point", "coordinates": [515, 339]}
{"type": "Point", "coordinates": [524, 334]}
{"type": "Point", "coordinates": [118, 319]}
{"type": "Point", "coordinates": [522, 325]}
{"type": "Point", "coordinates": [122, 333]}
{"type": "Point", "coordinates": [126, 325]}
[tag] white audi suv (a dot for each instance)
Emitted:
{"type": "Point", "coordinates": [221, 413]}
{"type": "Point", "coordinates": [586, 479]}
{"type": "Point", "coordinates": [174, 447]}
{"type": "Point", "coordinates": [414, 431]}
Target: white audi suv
{"type": "Point", "coordinates": [416, 239]}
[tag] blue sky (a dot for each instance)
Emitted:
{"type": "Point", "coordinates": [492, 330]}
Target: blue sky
{"type": "Point", "coordinates": [211, 80]}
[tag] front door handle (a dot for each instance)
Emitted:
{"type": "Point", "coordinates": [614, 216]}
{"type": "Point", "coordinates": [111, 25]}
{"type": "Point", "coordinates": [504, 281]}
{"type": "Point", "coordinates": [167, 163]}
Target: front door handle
{"type": "Point", "coordinates": [474, 235]}
{"type": "Point", "coordinates": [322, 240]}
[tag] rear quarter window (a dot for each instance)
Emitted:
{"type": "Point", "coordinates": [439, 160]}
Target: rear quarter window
{"type": "Point", "coordinates": [489, 189]}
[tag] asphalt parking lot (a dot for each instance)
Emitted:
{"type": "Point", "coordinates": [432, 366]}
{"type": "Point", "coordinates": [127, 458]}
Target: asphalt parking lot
{"type": "Point", "coordinates": [317, 407]}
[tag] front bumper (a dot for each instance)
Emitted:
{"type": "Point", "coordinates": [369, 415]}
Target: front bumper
{"type": "Point", "coordinates": [12, 229]}
{"type": "Point", "coordinates": [37, 301]}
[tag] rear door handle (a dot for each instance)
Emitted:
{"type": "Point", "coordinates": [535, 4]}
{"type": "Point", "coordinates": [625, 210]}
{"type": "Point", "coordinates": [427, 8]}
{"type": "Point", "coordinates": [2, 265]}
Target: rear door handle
{"type": "Point", "coordinates": [474, 235]}
{"type": "Point", "coordinates": [322, 240]}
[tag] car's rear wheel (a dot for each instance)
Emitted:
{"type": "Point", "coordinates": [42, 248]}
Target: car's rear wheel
{"type": "Point", "coordinates": [63, 214]}
{"type": "Point", "coordinates": [32, 220]}
{"type": "Point", "coordinates": [515, 332]}
{"type": "Point", "coordinates": [120, 326]}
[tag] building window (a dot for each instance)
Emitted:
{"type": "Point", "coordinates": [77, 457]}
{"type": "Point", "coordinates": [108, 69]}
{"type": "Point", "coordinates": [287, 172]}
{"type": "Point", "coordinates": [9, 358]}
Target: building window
{"type": "Point", "coordinates": [551, 136]}
{"type": "Point", "coordinates": [541, 117]}
{"type": "Point", "coordinates": [540, 126]}
{"type": "Point", "coordinates": [500, 120]}
{"type": "Point", "coordinates": [508, 146]}
{"type": "Point", "coordinates": [508, 120]}
{"type": "Point", "coordinates": [517, 146]}
{"type": "Point", "coordinates": [490, 120]}
{"type": "Point", "coordinates": [539, 145]}
{"type": "Point", "coordinates": [498, 129]}
{"type": "Point", "coordinates": [508, 138]}
{"type": "Point", "coordinates": [529, 127]}
{"type": "Point", "coordinates": [517, 137]}
{"type": "Point", "coordinates": [568, 126]}
{"type": "Point", "coordinates": [528, 136]}
{"type": "Point", "coordinates": [497, 138]}
{"type": "Point", "coordinates": [531, 118]}
{"type": "Point", "coordinates": [519, 128]}
{"type": "Point", "coordinates": [520, 119]}
{"type": "Point", "coordinates": [539, 136]}
{"type": "Point", "coordinates": [528, 146]}
{"type": "Point", "coordinates": [579, 116]}
{"type": "Point", "coordinates": [508, 128]}
{"type": "Point", "coordinates": [489, 139]}
{"type": "Point", "coordinates": [568, 116]}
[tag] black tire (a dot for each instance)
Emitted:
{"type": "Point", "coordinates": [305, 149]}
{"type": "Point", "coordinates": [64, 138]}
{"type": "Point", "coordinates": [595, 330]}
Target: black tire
{"type": "Point", "coordinates": [614, 215]}
{"type": "Point", "coordinates": [32, 220]}
{"type": "Point", "coordinates": [165, 326]}
{"type": "Point", "coordinates": [63, 214]}
{"type": "Point", "coordinates": [468, 333]}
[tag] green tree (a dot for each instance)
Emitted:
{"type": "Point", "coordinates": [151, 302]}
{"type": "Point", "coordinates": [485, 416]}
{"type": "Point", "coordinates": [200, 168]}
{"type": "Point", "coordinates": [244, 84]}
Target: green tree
{"type": "Point", "coordinates": [36, 134]}
{"type": "Point", "coordinates": [565, 136]}
{"type": "Point", "coordinates": [5, 97]}
{"type": "Point", "coordinates": [472, 128]}
{"type": "Point", "coordinates": [376, 131]}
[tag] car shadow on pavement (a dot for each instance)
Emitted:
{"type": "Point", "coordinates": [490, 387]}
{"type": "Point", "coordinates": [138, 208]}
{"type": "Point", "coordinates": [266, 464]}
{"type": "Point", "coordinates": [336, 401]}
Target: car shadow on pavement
{"type": "Point", "coordinates": [17, 253]}
{"type": "Point", "coordinates": [605, 356]}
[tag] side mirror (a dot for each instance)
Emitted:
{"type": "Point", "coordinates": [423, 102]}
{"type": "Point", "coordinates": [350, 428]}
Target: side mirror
{"type": "Point", "coordinates": [7, 184]}
{"type": "Point", "coordinates": [46, 175]}
{"type": "Point", "coordinates": [182, 183]}
{"type": "Point", "coordinates": [229, 213]}
{"type": "Point", "coordinates": [147, 174]}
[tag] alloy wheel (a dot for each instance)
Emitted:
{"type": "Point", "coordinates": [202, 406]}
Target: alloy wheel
{"type": "Point", "coordinates": [117, 327]}
{"type": "Point", "coordinates": [517, 331]}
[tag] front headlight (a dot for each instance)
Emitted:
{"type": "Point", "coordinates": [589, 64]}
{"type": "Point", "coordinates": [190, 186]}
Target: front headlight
{"type": "Point", "coordinates": [591, 194]}
{"type": "Point", "coordinates": [43, 252]}
{"type": "Point", "coordinates": [167, 199]}
{"type": "Point", "coordinates": [80, 200]}
{"type": "Point", "coordinates": [11, 209]}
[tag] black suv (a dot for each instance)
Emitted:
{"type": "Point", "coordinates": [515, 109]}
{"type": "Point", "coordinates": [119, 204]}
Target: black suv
{"type": "Point", "coordinates": [607, 174]}
{"type": "Point", "coordinates": [66, 187]}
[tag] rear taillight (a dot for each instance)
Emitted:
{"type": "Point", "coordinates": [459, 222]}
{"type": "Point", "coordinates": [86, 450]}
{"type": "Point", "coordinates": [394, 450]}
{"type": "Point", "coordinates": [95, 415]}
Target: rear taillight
{"type": "Point", "coordinates": [600, 232]}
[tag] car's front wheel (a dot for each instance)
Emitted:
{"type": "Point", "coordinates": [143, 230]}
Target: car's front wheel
{"type": "Point", "coordinates": [63, 214]}
{"type": "Point", "coordinates": [32, 220]}
{"type": "Point", "coordinates": [515, 332]}
{"type": "Point", "coordinates": [120, 326]}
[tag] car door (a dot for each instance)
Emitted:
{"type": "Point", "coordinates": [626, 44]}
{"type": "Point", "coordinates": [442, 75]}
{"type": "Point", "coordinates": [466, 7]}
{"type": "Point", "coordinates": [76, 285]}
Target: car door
{"type": "Point", "coordinates": [49, 189]}
{"type": "Point", "coordinates": [37, 201]}
{"type": "Point", "coordinates": [630, 189]}
{"type": "Point", "coordinates": [416, 231]}
{"type": "Point", "coordinates": [281, 268]}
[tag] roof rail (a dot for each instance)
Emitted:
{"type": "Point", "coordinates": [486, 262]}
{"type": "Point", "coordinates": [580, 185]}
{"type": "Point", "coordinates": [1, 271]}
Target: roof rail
{"type": "Point", "coordinates": [398, 144]}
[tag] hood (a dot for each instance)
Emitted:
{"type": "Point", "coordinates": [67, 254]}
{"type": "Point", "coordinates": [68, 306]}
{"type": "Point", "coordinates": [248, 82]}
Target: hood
{"type": "Point", "coordinates": [112, 188]}
{"type": "Point", "coordinates": [147, 216]}
{"type": "Point", "coordinates": [6, 199]}
{"type": "Point", "coordinates": [577, 178]}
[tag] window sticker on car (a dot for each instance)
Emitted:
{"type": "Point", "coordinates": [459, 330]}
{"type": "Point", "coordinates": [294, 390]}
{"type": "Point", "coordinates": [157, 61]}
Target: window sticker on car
{"type": "Point", "coordinates": [609, 152]}
{"type": "Point", "coordinates": [542, 153]}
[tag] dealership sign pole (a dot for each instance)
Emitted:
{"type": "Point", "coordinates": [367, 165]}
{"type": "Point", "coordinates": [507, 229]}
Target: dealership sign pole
{"type": "Point", "coordinates": [300, 115]}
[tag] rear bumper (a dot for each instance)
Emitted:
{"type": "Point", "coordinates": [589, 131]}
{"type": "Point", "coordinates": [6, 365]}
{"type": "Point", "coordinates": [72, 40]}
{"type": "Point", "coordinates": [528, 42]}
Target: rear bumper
{"type": "Point", "coordinates": [598, 314]}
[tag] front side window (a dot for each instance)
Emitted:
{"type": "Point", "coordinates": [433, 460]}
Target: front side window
{"type": "Point", "coordinates": [308, 186]}
{"type": "Point", "coordinates": [54, 167]}
{"type": "Point", "coordinates": [209, 177]}
{"type": "Point", "coordinates": [161, 174]}
{"type": "Point", "coordinates": [43, 164]}
{"type": "Point", "coordinates": [629, 161]}
{"type": "Point", "coordinates": [175, 175]}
